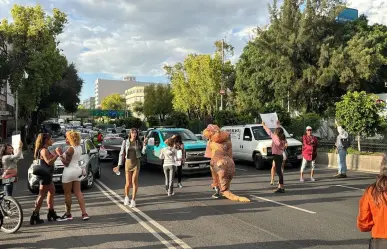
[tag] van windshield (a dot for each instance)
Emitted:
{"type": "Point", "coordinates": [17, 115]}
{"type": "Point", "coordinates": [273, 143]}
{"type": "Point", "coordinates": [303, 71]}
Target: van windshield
{"type": "Point", "coordinates": [260, 134]}
{"type": "Point", "coordinates": [186, 135]}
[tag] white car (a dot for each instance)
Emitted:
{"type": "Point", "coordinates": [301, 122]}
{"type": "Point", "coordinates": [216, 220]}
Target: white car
{"type": "Point", "coordinates": [89, 161]}
{"type": "Point", "coordinates": [110, 148]}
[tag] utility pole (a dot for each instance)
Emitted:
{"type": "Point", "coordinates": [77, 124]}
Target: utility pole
{"type": "Point", "coordinates": [288, 101]}
{"type": "Point", "coordinates": [221, 83]}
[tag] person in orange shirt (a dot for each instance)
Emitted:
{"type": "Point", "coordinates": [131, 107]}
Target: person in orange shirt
{"type": "Point", "coordinates": [373, 209]}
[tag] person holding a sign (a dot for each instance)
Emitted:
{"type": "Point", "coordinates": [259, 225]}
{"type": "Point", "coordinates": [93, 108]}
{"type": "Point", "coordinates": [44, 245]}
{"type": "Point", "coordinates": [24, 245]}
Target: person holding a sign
{"type": "Point", "coordinates": [278, 148]}
{"type": "Point", "coordinates": [9, 164]}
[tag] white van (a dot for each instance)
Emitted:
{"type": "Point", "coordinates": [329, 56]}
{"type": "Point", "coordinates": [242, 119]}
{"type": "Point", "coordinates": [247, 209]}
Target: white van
{"type": "Point", "coordinates": [252, 143]}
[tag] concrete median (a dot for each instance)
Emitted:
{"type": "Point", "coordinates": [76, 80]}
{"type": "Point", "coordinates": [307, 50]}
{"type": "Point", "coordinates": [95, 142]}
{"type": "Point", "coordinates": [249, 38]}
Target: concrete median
{"type": "Point", "coordinates": [370, 163]}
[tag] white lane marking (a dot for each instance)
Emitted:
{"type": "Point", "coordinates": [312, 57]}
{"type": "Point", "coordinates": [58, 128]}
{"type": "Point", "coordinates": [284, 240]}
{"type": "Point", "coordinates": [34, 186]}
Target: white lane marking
{"type": "Point", "coordinates": [342, 186]}
{"type": "Point", "coordinates": [285, 205]}
{"type": "Point", "coordinates": [134, 216]}
{"type": "Point", "coordinates": [241, 169]}
{"type": "Point", "coordinates": [149, 219]}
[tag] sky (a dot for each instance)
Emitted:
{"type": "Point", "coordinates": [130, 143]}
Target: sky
{"type": "Point", "coordinates": [111, 39]}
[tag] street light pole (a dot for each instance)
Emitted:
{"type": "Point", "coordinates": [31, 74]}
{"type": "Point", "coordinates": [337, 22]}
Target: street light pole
{"type": "Point", "coordinates": [25, 76]}
{"type": "Point", "coordinates": [221, 83]}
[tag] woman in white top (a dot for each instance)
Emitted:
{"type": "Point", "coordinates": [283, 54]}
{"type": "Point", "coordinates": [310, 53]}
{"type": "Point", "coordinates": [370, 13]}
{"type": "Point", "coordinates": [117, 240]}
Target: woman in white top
{"type": "Point", "coordinates": [72, 174]}
{"type": "Point", "coordinates": [168, 155]}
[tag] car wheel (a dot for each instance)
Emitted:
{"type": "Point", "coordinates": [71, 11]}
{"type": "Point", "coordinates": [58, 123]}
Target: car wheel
{"type": "Point", "coordinates": [89, 180]}
{"type": "Point", "coordinates": [98, 174]}
{"type": "Point", "coordinates": [33, 190]}
{"type": "Point", "coordinates": [258, 162]}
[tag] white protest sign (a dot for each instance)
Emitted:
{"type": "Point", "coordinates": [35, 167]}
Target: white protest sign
{"type": "Point", "coordinates": [16, 143]}
{"type": "Point", "coordinates": [270, 119]}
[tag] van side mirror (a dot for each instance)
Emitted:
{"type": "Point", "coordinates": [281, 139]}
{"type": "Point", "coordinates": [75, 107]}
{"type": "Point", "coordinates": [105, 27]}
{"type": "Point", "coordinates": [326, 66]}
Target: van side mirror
{"type": "Point", "coordinates": [247, 138]}
{"type": "Point", "coordinates": [151, 141]}
{"type": "Point", "coordinates": [291, 135]}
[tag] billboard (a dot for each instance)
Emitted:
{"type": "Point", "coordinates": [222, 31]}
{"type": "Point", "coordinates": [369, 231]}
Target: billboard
{"type": "Point", "coordinates": [348, 15]}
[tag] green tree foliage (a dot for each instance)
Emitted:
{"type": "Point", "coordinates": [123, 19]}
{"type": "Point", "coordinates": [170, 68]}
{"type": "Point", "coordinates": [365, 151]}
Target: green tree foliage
{"type": "Point", "coordinates": [226, 117]}
{"type": "Point", "coordinates": [310, 57]}
{"type": "Point", "coordinates": [360, 113]}
{"type": "Point", "coordinates": [177, 119]}
{"type": "Point", "coordinates": [138, 108]}
{"type": "Point", "coordinates": [132, 122]}
{"type": "Point", "coordinates": [297, 125]}
{"type": "Point", "coordinates": [158, 101]}
{"type": "Point", "coordinates": [153, 121]}
{"type": "Point", "coordinates": [196, 82]}
{"type": "Point", "coordinates": [113, 102]}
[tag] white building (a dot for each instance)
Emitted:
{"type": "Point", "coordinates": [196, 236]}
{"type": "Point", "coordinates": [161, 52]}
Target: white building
{"type": "Point", "coordinates": [133, 95]}
{"type": "Point", "coordinates": [104, 88]}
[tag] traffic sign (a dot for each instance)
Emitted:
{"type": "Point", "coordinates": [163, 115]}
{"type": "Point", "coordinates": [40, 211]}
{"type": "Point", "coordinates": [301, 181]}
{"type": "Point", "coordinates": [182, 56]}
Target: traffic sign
{"type": "Point", "coordinates": [108, 113]}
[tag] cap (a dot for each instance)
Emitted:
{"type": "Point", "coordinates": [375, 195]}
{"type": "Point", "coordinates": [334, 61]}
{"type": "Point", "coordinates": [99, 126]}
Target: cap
{"type": "Point", "coordinates": [308, 128]}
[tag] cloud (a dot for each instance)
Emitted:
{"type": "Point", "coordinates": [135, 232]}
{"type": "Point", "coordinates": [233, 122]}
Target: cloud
{"type": "Point", "coordinates": [136, 37]}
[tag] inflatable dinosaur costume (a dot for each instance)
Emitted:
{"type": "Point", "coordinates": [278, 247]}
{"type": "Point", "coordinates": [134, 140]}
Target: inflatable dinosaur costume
{"type": "Point", "coordinates": [219, 149]}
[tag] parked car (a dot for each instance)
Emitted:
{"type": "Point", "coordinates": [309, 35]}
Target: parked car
{"type": "Point", "coordinates": [110, 148]}
{"type": "Point", "coordinates": [201, 137]}
{"type": "Point", "coordinates": [195, 149]}
{"type": "Point", "coordinates": [251, 143]}
{"type": "Point", "coordinates": [89, 161]}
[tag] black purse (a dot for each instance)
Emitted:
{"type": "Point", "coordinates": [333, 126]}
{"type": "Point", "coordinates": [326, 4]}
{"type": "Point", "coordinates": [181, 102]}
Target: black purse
{"type": "Point", "coordinates": [39, 168]}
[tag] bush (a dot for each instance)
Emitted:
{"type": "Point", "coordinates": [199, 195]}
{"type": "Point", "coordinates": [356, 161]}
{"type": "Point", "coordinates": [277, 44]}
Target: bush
{"type": "Point", "coordinates": [223, 118]}
{"type": "Point", "coordinates": [132, 122]}
{"type": "Point", "coordinates": [177, 119]}
{"type": "Point", "coordinates": [196, 125]}
{"type": "Point", "coordinates": [153, 121]}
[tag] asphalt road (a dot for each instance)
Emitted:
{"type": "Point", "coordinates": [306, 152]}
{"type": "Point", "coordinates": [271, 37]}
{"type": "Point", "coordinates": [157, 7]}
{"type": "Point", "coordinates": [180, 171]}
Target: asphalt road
{"type": "Point", "coordinates": [319, 214]}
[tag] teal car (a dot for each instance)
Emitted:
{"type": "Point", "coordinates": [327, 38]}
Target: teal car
{"type": "Point", "coordinates": [194, 148]}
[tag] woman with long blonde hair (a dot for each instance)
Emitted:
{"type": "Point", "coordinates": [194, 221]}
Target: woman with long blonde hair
{"type": "Point", "coordinates": [47, 187]}
{"type": "Point", "coordinates": [72, 174]}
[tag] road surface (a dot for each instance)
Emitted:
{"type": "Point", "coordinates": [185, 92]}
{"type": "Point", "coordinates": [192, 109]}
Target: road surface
{"type": "Point", "coordinates": [318, 215]}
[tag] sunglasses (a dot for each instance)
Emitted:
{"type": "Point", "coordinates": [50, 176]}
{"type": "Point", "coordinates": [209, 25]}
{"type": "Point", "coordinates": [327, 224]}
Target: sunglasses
{"type": "Point", "coordinates": [309, 130]}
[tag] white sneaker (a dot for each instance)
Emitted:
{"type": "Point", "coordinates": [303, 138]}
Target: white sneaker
{"type": "Point", "coordinates": [312, 179]}
{"type": "Point", "coordinates": [126, 201]}
{"type": "Point", "coordinates": [302, 179]}
{"type": "Point", "coordinates": [132, 204]}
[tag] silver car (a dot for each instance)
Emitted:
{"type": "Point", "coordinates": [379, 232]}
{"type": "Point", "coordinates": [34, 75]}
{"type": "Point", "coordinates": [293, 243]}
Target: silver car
{"type": "Point", "coordinates": [89, 161]}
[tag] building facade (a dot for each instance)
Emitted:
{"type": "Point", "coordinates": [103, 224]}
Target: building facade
{"type": "Point", "coordinates": [133, 95]}
{"type": "Point", "coordinates": [89, 103]}
{"type": "Point", "coordinates": [104, 88]}
{"type": "Point", "coordinates": [7, 112]}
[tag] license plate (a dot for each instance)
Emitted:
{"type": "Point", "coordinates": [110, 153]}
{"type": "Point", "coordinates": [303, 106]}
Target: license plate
{"type": "Point", "coordinates": [8, 180]}
{"type": "Point", "coordinates": [56, 179]}
{"type": "Point", "coordinates": [299, 157]}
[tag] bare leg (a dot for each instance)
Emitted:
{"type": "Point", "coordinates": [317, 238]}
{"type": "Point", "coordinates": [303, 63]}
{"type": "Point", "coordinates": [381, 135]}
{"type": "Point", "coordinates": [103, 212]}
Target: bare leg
{"type": "Point", "coordinates": [39, 200]}
{"type": "Point", "coordinates": [272, 173]}
{"type": "Point", "coordinates": [79, 195]}
{"type": "Point", "coordinates": [135, 175]}
{"type": "Point", "coordinates": [67, 187]}
{"type": "Point", "coordinates": [128, 182]}
{"type": "Point", "coordinates": [50, 196]}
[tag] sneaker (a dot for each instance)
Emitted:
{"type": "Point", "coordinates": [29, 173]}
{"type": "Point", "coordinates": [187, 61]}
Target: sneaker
{"type": "Point", "coordinates": [180, 185]}
{"type": "Point", "coordinates": [312, 179]}
{"type": "Point", "coordinates": [66, 217]}
{"type": "Point", "coordinates": [342, 176]}
{"type": "Point", "coordinates": [337, 175]}
{"type": "Point", "coordinates": [272, 183]}
{"type": "Point", "coordinates": [132, 204]}
{"type": "Point", "coordinates": [279, 191]}
{"type": "Point", "coordinates": [302, 179]}
{"type": "Point", "coordinates": [85, 216]}
{"type": "Point", "coordinates": [126, 201]}
{"type": "Point", "coordinates": [216, 196]}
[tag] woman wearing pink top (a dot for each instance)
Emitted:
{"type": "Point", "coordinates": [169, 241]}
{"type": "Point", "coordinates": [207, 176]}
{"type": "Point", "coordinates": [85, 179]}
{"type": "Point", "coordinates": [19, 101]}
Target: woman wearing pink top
{"type": "Point", "coordinates": [277, 149]}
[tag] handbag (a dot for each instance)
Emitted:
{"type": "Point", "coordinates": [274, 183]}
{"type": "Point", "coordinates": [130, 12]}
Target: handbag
{"type": "Point", "coordinates": [38, 168]}
{"type": "Point", "coordinates": [378, 244]}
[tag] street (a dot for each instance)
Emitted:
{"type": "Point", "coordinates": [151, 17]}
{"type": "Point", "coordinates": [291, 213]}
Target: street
{"type": "Point", "coordinates": [316, 215]}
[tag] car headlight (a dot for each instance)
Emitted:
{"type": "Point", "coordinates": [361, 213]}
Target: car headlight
{"type": "Point", "coordinates": [299, 148]}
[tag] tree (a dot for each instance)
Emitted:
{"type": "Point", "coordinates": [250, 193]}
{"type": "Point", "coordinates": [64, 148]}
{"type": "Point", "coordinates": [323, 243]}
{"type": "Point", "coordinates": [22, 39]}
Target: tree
{"type": "Point", "coordinates": [196, 82]}
{"type": "Point", "coordinates": [138, 108]}
{"type": "Point", "coordinates": [310, 59]}
{"type": "Point", "coordinates": [360, 113]}
{"type": "Point", "coordinates": [158, 100]}
{"type": "Point", "coordinates": [177, 119]}
{"type": "Point", "coordinates": [113, 102]}
{"type": "Point", "coordinates": [29, 44]}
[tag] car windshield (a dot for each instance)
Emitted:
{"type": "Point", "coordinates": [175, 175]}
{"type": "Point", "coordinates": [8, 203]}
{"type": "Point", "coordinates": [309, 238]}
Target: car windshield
{"type": "Point", "coordinates": [113, 141]}
{"type": "Point", "coordinates": [260, 134]}
{"type": "Point", "coordinates": [186, 135]}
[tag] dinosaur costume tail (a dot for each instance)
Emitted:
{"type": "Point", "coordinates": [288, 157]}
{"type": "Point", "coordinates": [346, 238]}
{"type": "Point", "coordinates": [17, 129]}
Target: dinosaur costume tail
{"type": "Point", "coordinates": [229, 195]}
